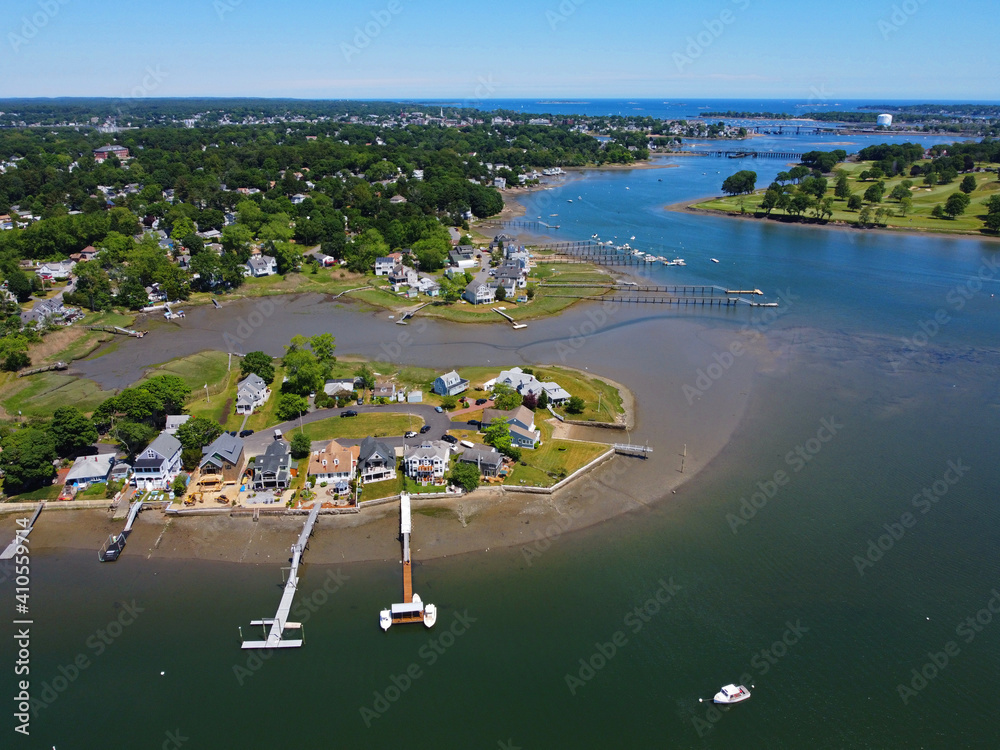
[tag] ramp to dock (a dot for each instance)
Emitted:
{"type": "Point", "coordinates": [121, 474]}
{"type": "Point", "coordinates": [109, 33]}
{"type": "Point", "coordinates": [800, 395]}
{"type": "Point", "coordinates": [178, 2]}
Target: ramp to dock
{"type": "Point", "coordinates": [21, 534]}
{"type": "Point", "coordinates": [279, 623]}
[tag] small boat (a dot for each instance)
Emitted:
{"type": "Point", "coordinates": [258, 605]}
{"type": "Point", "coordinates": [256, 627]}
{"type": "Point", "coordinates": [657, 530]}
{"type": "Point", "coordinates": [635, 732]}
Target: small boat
{"type": "Point", "coordinates": [570, 200]}
{"type": "Point", "coordinates": [713, 260]}
{"type": "Point", "coordinates": [732, 694]}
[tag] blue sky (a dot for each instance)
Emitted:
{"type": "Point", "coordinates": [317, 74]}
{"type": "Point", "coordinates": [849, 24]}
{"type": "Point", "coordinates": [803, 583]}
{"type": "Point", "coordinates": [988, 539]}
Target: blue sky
{"type": "Point", "coordinates": [881, 49]}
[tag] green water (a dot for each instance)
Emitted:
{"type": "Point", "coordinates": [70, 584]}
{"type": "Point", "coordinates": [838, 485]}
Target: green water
{"type": "Point", "coordinates": [780, 603]}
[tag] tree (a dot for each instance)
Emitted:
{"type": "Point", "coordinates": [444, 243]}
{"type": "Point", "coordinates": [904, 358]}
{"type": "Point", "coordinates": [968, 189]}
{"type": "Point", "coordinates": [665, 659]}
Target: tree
{"type": "Point", "coordinates": [899, 192]}
{"type": "Point", "coordinates": [132, 437]}
{"type": "Point", "coordinates": [968, 184]}
{"type": "Point", "coordinates": [505, 397]}
{"type": "Point", "coordinates": [931, 179]}
{"type": "Point", "coordinates": [448, 403]}
{"type": "Point", "coordinates": [501, 294]}
{"type": "Point", "coordinates": [530, 401]}
{"type": "Point", "coordinates": [938, 212]}
{"type": "Point", "coordinates": [367, 376]}
{"type": "Point", "coordinates": [742, 182]}
{"type": "Point", "coordinates": [543, 400]}
{"type": "Point", "coordinates": [854, 203]}
{"type": "Point", "coordinates": [875, 193]}
{"type": "Point", "coordinates": [198, 432]}
{"type": "Point", "coordinates": [171, 390]}
{"type": "Point", "coordinates": [71, 431]}
{"type": "Point", "coordinates": [575, 405]}
{"type": "Point", "coordinates": [843, 188]}
{"type": "Point", "coordinates": [190, 458]}
{"type": "Point", "coordinates": [179, 486]}
{"type": "Point", "coordinates": [19, 285]}
{"type": "Point", "coordinates": [364, 249]}
{"type": "Point", "coordinates": [301, 445]}
{"type": "Point", "coordinates": [466, 476]}
{"type": "Point", "coordinates": [322, 346]}
{"type": "Point", "coordinates": [14, 361]}
{"type": "Point", "coordinates": [865, 217]}
{"type": "Point", "coordinates": [905, 205]}
{"type": "Point", "coordinates": [258, 363]}
{"type": "Point", "coordinates": [305, 373]}
{"type": "Point", "coordinates": [290, 405]}
{"type": "Point", "coordinates": [27, 459]}
{"type": "Point", "coordinates": [497, 433]}
{"type": "Point", "coordinates": [770, 200]}
{"type": "Point", "coordinates": [956, 204]}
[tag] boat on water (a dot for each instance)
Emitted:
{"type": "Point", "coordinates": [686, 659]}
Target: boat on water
{"type": "Point", "coordinates": [732, 694]}
{"type": "Point", "coordinates": [569, 200]}
{"type": "Point", "coordinates": [713, 260]}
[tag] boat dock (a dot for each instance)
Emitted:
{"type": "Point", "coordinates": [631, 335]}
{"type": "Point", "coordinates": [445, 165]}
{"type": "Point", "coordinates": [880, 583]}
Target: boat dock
{"type": "Point", "coordinates": [279, 623]}
{"type": "Point", "coordinates": [119, 330]}
{"type": "Point", "coordinates": [21, 534]}
{"type": "Point", "coordinates": [411, 609]}
{"type": "Point", "coordinates": [515, 325]}
{"type": "Point", "coordinates": [116, 542]}
{"type": "Point", "coordinates": [409, 314]}
{"type": "Point", "coordinates": [627, 449]}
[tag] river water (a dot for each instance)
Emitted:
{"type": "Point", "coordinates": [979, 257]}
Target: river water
{"type": "Point", "coordinates": [842, 538]}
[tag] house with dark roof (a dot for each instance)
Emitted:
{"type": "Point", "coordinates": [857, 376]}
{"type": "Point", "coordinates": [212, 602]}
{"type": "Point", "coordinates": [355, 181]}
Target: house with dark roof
{"type": "Point", "coordinates": [224, 458]}
{"type": "Point", "coordinates": [104, 152]}
{"type": "Point", "coordinates": [157, 466]}
{"type": "Point", "coordinates": [463, 256]}
{"type": "Point", "coordinates": [261, 265]}
{"type": "Point", "coordinates": [488, 460]}
{"type": "Point", "coordinates": [384, 265]}
{"type": "Point", "coordinates": [450, 384]}
{"type": "Point", "coordinates": [384, 389]}
{"type": "Point", "coordinates": [522, 425]}
{"type": "Point", "coordinates": [251, 393]}
{"type": "Point", "coordinates": [46, 311]}
{"type": "Point", "coordinates": [273, 469]}
{"type": "Point", "coordinates": [376, 461]}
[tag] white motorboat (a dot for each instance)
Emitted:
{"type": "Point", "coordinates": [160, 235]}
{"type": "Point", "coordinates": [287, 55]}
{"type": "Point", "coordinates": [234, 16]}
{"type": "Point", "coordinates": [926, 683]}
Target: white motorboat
{"type": "Point", "coordinates": [385, 619]}
{"type": "Point", "coordinates": [430, 615]}
{"type": "Point", "coordinates": [732, 694]}
{"type": "Point", "coordinates": [713, 260]}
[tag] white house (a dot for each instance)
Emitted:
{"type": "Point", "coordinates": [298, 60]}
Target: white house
{"type": "Point", "coordinates": [384, 266]}
{"type": "Point", "coordinates": [261, 265]}
{"type": "Point", "coordinates": [174, 421]}
{"type": "Point", "coordinates": [334, 463]}
{"type": "Point", "coordinates": [480, 293]}
{"type": "Point", "coordinates": [520, 381]}
{"type": "Point", "coordinates": [251, 393]}
{"type": "Point", "coordinates": [402, 275]}
{"type": "Point", "coordinates": [298, 198]}
{"type": "Point", "coordinates": [427, 463]}
{"type": "Point", "coordinates": [90, 469]}
{"type": "Point", "coordinates": [555, 393]}
{"type": "Point", "coordinates": [59, 270]}
{"type": "Point", "coordinates": [157, 466]}
{"type": "Point", "coordinates": [450, 384]}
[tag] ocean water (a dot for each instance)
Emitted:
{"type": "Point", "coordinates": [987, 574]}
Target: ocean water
{"type": "Point", "coordinates": [843, 538]}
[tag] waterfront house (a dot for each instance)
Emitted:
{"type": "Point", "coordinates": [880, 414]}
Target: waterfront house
{"type": "Point", "coordinates": [157, 466]}
{"type": "Point", "coordinates": [88, 470]}
{"type": "Point", "coordinates": [522, 425]}
{"type": "Point", "coordinates": [251, 393]}
{"type": "Point", "coordinates": [520, 381]}
{"type": "Point", "coordinates": [488, 460]}
{"type": "Point", "coordinates": [334, 463]}
{"type": "Point", "coordinates": [272, 470]}
{"type": "Point", "coordinates": [463, 256]}
{"type": "Point", "coordinates": [401, 275]}
{"type": "Point", "coordinates": [427, 463]}
{"type": "Point", "coordinates": [224, 458]}
{"type": "Point", "coordinates": [46, 311]}
{"type": "Point", "coordinates": [384, 389]}
{"type": "Point", "coordinates": [376, 461]}
{"type": "Point", "coordinates": [450, 384]}
{"type": "Point", "coordinates": [261, 265]}
{"type": "Point", "coordinates": [480, 293]}
{"type": "Point", "coordinates": [339, 386]}
{"type": "Point", "coordinates": [556, 393]}
{"type": "Point", "coordinates": [174, 421]}
{"type": "Point", "coordinates": [384, 265]}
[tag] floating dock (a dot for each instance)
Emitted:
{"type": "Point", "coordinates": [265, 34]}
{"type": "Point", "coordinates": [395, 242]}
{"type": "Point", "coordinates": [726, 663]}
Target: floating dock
{"type": "Point", "coordinates": [627, 449]}
{"type": "Point", "coordinates": [411, 609]}
{"type": "Point", "coordinates": [20, 535]}
{"type": "Point", "coordinates": [279, 623]}
{"type": "Point", "coordinates": [514, 324]}
{"type": "Point", "coordinates": [116, 542]}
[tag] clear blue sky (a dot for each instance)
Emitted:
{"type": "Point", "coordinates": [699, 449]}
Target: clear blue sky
{"type": "Point", "coordinates": [511, 48]}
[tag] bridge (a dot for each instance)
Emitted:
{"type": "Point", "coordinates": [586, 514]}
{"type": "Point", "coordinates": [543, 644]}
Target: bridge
{"type": "Point", "coordinates": [732, 154]}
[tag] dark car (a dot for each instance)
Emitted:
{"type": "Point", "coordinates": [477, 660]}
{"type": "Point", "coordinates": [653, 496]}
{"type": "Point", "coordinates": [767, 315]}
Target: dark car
{"type": "Point", "coordinates": [449, 439]}
{"type": "Point", "coordinates": [349, 413]}
{"type": "Point", "coordinates": [246, 433]}
{"type": "Point", "coordinates": [474, 422]}
{"type": "Point", "coordinates": [425, 428]}
{"type": "Point", "coordinates": [481, 401]}
{"type": "Point", "coordinates": [232, 433]}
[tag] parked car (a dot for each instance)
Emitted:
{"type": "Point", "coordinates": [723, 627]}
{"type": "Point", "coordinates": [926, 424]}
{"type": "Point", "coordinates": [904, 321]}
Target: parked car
{"type": "Point", "coordinates": [474, 422]}
{"type": "Point", "coordinates": [361, 402]}
{"type": "Point", "coordinates": [349, 413]}
{"type": "Point", "coordinates": [449, 439]}
{"type": "Point", "coordinates": [410, 434]}
{"type": "Point", "coordinates": [426, 428]}
{"type": "Point", "coordinates": [438, 409]}
{"type": "Point", "coordinates": [246, 433]}
{"type": "Point", "coordinates": [232, 433]}
{"type": "Point", "coordinates": [481, 401]}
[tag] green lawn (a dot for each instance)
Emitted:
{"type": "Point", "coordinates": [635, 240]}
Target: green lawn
{"type": "Point", "coordinates": [378, 490]}
{"type": "Point", "coordinates": [918, 218]}
{"type": "Point", "coordinates": [361, 426]}
{"type": "Point", "coordinates": [50, 492]}
{"type": "Point", "coordinates": [198, 369]}
{"type": "Point", "coordinates": [42, 394]}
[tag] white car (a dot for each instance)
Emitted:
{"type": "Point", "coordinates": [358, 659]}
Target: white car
{"type": "Point", "coordinates": [410, 434]}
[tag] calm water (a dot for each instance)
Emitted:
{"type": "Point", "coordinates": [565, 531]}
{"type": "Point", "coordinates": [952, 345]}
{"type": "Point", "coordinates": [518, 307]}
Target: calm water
{"type": "Point", "coordinates": [780, 603]}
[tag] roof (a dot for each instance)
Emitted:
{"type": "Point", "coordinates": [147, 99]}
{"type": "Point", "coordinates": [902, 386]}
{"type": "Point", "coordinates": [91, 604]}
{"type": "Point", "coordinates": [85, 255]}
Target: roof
{"type": "Point", "coordinates": [226, 447]}
{"type": "Point", "coordinates": [91, 467]}
{"type": "Point", "coordinates": [451, 378]}
{"type": "Point", "coordinates": [370, 447]}
{"type": "Point", "coordinates": [428, 449]}
{"type": "Point", "coordinates": [556, 391]}
{"type": "Point", "coordinates": [277, 456]}
{"type": "Point", "coordinates": [176, 420]}
{"type": "Point", "coordinates": [165, 445]}
{"type": "Point", "coordinates": [346, 456]}
{"type": "Point", "coordinates": [522, 414]}
{"type": "Point", "coordinates": [252, 382]}
{"type": "Point", "coordinates": [516, 431]}
{"type": "Point", "coordinates": [481, 456]}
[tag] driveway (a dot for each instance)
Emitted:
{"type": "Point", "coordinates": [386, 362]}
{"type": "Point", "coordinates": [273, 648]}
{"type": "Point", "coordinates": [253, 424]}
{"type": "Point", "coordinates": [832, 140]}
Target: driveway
{"type": "Point", "coordinates": [440, 423]}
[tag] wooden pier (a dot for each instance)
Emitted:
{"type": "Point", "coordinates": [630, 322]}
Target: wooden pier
{"type": "Point", "coordinates": [21, 534]}
{"type": "Point", "coordinates": [411, 609]}
{"type": "Point", "coordinates": [514, 324]}
{"type": "Point", "coordinates": [119, 330]}
{"type": "Point", "coordinates": [670, 300]}
{"type": "Point", "coordinates": [279, 623]}
{"type": "Point", "coordinates": [518, 224]}
{"type": "Point", "coordinates": [115, 544]}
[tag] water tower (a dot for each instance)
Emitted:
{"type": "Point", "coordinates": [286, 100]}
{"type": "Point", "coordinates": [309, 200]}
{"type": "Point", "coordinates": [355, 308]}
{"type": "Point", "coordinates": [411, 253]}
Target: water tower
{"type": "Point", "coordinates": [884, 121]}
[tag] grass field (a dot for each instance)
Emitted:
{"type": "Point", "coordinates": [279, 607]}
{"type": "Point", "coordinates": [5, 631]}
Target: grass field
{"type": "Point", "coordinates": [50, 492]}
{"type": "Point", "coordinates": [361, 426]}
{"type": "Point", "coordinates": [553, 460]}
{"type": "Point", "coordinates": [42, 394]}
{"type": "Point", "coordinates": [918, 218]}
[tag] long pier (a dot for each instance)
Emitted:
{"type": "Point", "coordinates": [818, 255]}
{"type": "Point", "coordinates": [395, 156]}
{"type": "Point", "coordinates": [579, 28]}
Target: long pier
{"type": "Point", "coordinates": [279, 623]}
{"type": "Point", "coordinates": [519, 224]}
{"type": "Point", "coordinates": [681, 289]}
{"type": "Point", "coordinates": [21, 534]}
{"type": "Point", "coordinates": [411, 609]}
{"type": "Point", "coordinates": [664, 300]}
{"type": "Point", "coordinates": [516, 326]}
{"type": "Point", "coordinates": [46, 368]}
{"type": "Point", "coordinates": [119, 330]}
{"type": "Point", "coordinates": [751, 154]}
{"type": "Point", "coordinates": [116, 542]}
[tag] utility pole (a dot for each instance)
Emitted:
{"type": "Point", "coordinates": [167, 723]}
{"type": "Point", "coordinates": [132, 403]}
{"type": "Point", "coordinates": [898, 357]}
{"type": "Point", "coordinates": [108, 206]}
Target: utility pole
{"type": "Point", "coordinates": [208, 398]}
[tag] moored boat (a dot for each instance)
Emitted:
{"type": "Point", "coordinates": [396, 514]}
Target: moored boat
{"type": "Point", "coordinates": [732, 694]}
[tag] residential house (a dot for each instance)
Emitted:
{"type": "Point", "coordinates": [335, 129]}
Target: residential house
{"type": "Point", "coordinates": [500, 183]}
{"type": "Point", "coordinates": [384, 265]}
{"type": "Point", "coordinates": [488, 460]}
{"type": "Point", "coordinates": [414, 397]}
{"type": "Point", "coordinates": [338, 386]}
{"type": "Point", "coordinates": [251, 393]}
{"type": "Point", "coordinates": [522, 425]}
{"type": "Point", "coordinates": [376, 461]}
{"type": "Point", "coordinates": [88, 253]}
{"type": "Point", "coordinates": [520, 381]}
{"type": "Point", "coordinates": [450, 384]}
{"type": "Point", "coordinates": [427, 463]}
{"type": "Point", "coordinates": [384, 389]}
{"type": "Point", "coordinates": [402, 275]}
{"type": "Point", "coordinates": [224, 458]}
{"type": "Point", "coordinates": [556, 393]}
{"type": "Point", "coordinates": [428, 286]}
{"type": "Point", "coordinates": [104, 152]}
{"type": "Point", "coordinates": [463, 256]}
{"type": "Point", "coordinates": [157, 466]}
{"type": "Point", "coordinates": [334, 463]}
{"type": "Point", "coordinates": [397, 199]}
{"type": "Point", "coordinates": [58, 270]}
{"type": "Point", "coordinates": [46, 311]}
{"type": "Point", "coordinates": [480, 293]}
{"type": "Point", "coordinates": [298, 198]}
{"type": "Point", "coordinates": [174, 421]}
{"type": "Point", "coordinates": [273, 469]}
{"type": "Point", "coordinates": [88, 470]}
{"type": "Point", "coordinates": [261, 265]}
